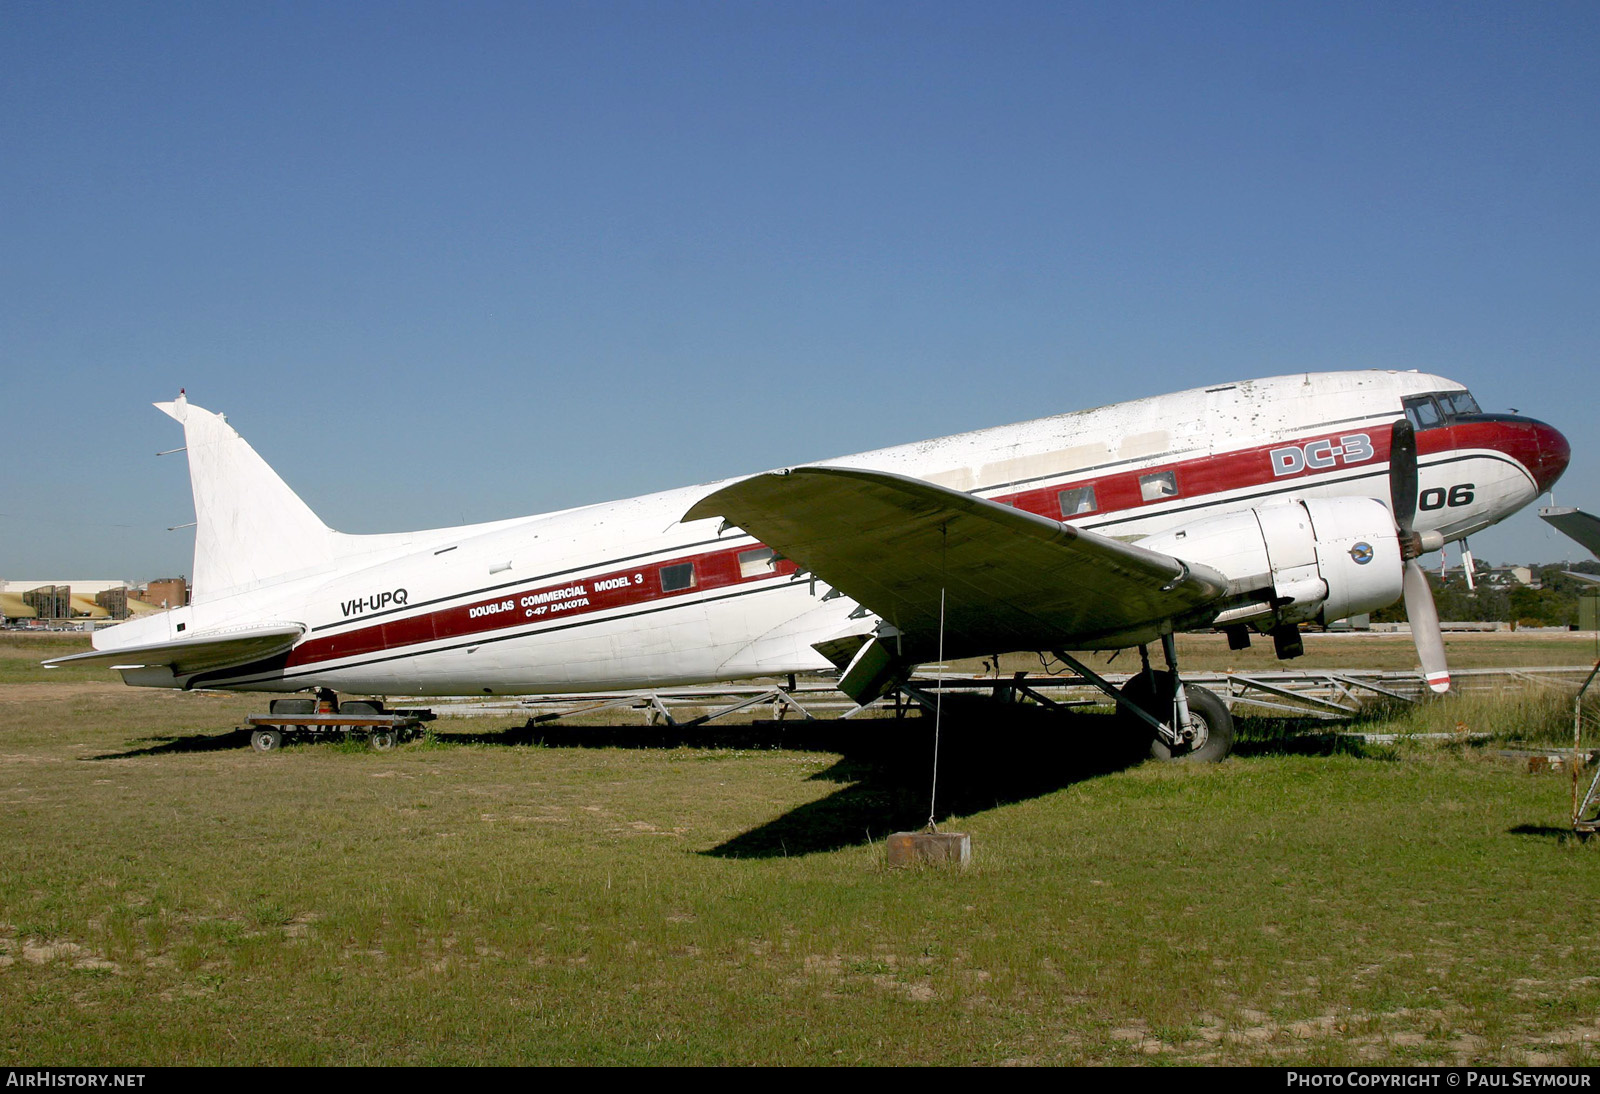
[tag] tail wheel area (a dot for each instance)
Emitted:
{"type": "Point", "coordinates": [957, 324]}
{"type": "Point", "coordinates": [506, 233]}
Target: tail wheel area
{"type": "Point", "coordinates": [1210, 734]}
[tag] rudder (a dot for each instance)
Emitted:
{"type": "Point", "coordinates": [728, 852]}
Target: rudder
{"type": "Point", "coordinates": [249, 526]}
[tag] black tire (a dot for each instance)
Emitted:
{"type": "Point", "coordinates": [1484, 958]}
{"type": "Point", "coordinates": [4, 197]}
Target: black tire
{"type": "Point", "coordinates": [1212, 725]}
{"type": "Point", "coordinates": [1208, 715]}
{"type": "Point", "coordinates": [381, 739]}
{"type": "Point", "coordinates": [361, 706]}
{"type": "Point", "coordinates": [266, 740]}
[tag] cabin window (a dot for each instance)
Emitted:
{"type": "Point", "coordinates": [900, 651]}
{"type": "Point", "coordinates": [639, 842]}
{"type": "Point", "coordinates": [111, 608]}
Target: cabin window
{"type": "Point", "coordinates": [677, 578]}
{"type": "Point", "coordinates": [1078, 500]}
{"type": "Point", "coordinates": [758, 562]}
{"type": "Point", "coordinates": [1162, 484]}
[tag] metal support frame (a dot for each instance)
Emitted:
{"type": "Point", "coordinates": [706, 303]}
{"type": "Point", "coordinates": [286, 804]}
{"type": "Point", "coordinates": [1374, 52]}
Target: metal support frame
{"type": "Point", "coordinates": [778, 697]}
{"type": "Point", "coordinates": [654, 707]}
{"type": "Point", "coordinates": [1297, 693]}
{"type": "Point", "coordinates": [917, 696]}
{"type": "Point", "coordinates": [1246, 683]}
{"type": "Point", "coordinates": [1579, 824]}
{"type": "Point", "coordinates": [1350, 682]}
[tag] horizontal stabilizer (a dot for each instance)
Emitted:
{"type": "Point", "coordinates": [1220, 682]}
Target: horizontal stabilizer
{"type": "Point", "coordinates": [1581, 526]}
{"type": "Point", "coordinates": [199, 654]}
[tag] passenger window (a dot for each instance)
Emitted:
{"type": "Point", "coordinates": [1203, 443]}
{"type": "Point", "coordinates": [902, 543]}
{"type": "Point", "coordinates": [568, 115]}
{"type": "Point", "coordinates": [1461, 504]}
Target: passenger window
{"type": "Point", "coordinates": [1078, 500]}
{"type": "Point", "coordinates": [676, 578]}
{"type": "Point", "coordinates": [758, 562]}
{"type": "Point", "coordinates": [1162, 484]}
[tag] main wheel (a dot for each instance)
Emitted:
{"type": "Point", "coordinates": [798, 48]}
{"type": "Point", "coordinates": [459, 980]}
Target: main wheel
{"type": "Point", "coordinates": [1210, 725]}
{"type": "Point", "coordinates": [266, 740]}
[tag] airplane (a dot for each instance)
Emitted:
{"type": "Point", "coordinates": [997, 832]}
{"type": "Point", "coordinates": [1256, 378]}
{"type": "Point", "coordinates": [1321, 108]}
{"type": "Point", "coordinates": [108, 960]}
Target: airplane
{"type": "Point", "coordinates": [1250, 507]}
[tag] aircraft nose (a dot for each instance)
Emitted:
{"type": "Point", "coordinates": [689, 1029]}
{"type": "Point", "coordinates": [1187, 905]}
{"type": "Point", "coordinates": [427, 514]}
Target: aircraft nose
{"type": "Point", "coordinates": [1539, 448]}
{"type": "Point", "coordinates": [1553, 454]}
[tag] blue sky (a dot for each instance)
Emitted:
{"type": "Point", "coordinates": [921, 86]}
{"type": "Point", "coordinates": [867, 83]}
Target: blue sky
{"type": "Point", "coordinates": [447, 262]}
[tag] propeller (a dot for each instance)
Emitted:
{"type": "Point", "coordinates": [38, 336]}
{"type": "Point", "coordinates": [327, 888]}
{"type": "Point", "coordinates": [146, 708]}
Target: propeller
{"type": "Point", "coordinates": [1418, 595]}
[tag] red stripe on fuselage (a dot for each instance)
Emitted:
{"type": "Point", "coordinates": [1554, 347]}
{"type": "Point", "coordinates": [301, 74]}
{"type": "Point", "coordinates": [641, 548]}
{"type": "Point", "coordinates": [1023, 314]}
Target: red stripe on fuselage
{"type": "Point", "coordinates": [1245, 468]}
{"type": "Point", "coordinates": [539, 604]}
{"type": "Point", "coordinates": [1120, 491]}
{"type": "Point", "coordinates": [1115, 493]}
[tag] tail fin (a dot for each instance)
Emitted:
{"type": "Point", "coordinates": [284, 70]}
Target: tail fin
{"type": "Point", "coordinates": [249, 526]}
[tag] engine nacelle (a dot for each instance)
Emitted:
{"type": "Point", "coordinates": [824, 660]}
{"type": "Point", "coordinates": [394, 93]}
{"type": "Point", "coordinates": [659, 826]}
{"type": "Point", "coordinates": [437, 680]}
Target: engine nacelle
{"type": "Point", "coordinates": [1322, 558]}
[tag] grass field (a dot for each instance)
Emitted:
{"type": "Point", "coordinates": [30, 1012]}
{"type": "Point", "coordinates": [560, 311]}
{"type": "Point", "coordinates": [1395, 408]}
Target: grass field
{"type": "Point", "coordinates": [613, 895]}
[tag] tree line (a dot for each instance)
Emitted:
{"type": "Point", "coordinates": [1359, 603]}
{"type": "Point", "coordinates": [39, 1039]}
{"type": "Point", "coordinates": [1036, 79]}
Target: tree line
{"type": "Point", "coordinates": [1553, 604]}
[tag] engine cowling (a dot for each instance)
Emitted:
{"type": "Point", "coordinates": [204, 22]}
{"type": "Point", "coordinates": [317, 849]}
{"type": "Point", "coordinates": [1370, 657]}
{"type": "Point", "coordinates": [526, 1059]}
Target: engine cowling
{"type": "Point", "coordinates": [1294, 561]}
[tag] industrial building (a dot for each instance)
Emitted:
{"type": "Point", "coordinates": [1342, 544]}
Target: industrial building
{"type": "Point", "coordinates": [91, 600]}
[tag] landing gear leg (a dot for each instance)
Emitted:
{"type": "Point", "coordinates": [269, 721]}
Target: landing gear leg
{"type": "Point", "coordinates": [1170, 720]}
{"type": "Point", "coordinates": [1180, 698]}
{"type": "Point", "coordinates": [1205, 726]}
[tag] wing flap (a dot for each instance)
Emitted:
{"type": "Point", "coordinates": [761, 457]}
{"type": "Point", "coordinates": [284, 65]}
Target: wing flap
{"type": "Point", "coordinates": [1011, 579]}
{"type": "Point", "coordinates": [198, 654]}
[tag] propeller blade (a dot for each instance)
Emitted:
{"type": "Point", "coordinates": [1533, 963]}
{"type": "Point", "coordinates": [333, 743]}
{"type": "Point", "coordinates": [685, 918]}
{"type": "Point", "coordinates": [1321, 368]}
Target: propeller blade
{"type": "Point", "coordinates": [1403, 475]}
{"type": "Point", "coordinates": [1424, 619]}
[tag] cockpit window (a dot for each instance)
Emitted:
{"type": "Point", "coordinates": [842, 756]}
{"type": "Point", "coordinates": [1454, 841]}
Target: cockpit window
{"type": "Point", "coordinates": [1424, 412]}
{"type": "Point", "coordinates": [1439, 408]}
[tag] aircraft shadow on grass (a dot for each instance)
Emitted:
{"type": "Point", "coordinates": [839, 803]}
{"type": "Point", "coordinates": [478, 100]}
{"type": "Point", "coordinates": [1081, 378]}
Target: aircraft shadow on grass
{"type": "Point", "coordinates": [990, 754]}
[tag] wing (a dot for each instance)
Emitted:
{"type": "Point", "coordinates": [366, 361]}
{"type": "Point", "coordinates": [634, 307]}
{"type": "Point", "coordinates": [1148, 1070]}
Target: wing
{"type": "Point", "coordinates": [1581, 526]}
{"type": "Point", "coordinates": [1013, 580]}
{"type": "Point", "coordinates": [198, 654]}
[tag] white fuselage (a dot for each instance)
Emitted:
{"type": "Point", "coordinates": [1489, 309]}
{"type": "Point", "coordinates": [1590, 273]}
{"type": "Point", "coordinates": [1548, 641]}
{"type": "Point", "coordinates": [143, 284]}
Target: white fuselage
{"type": "Point", "coordinates": [597, 598]}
